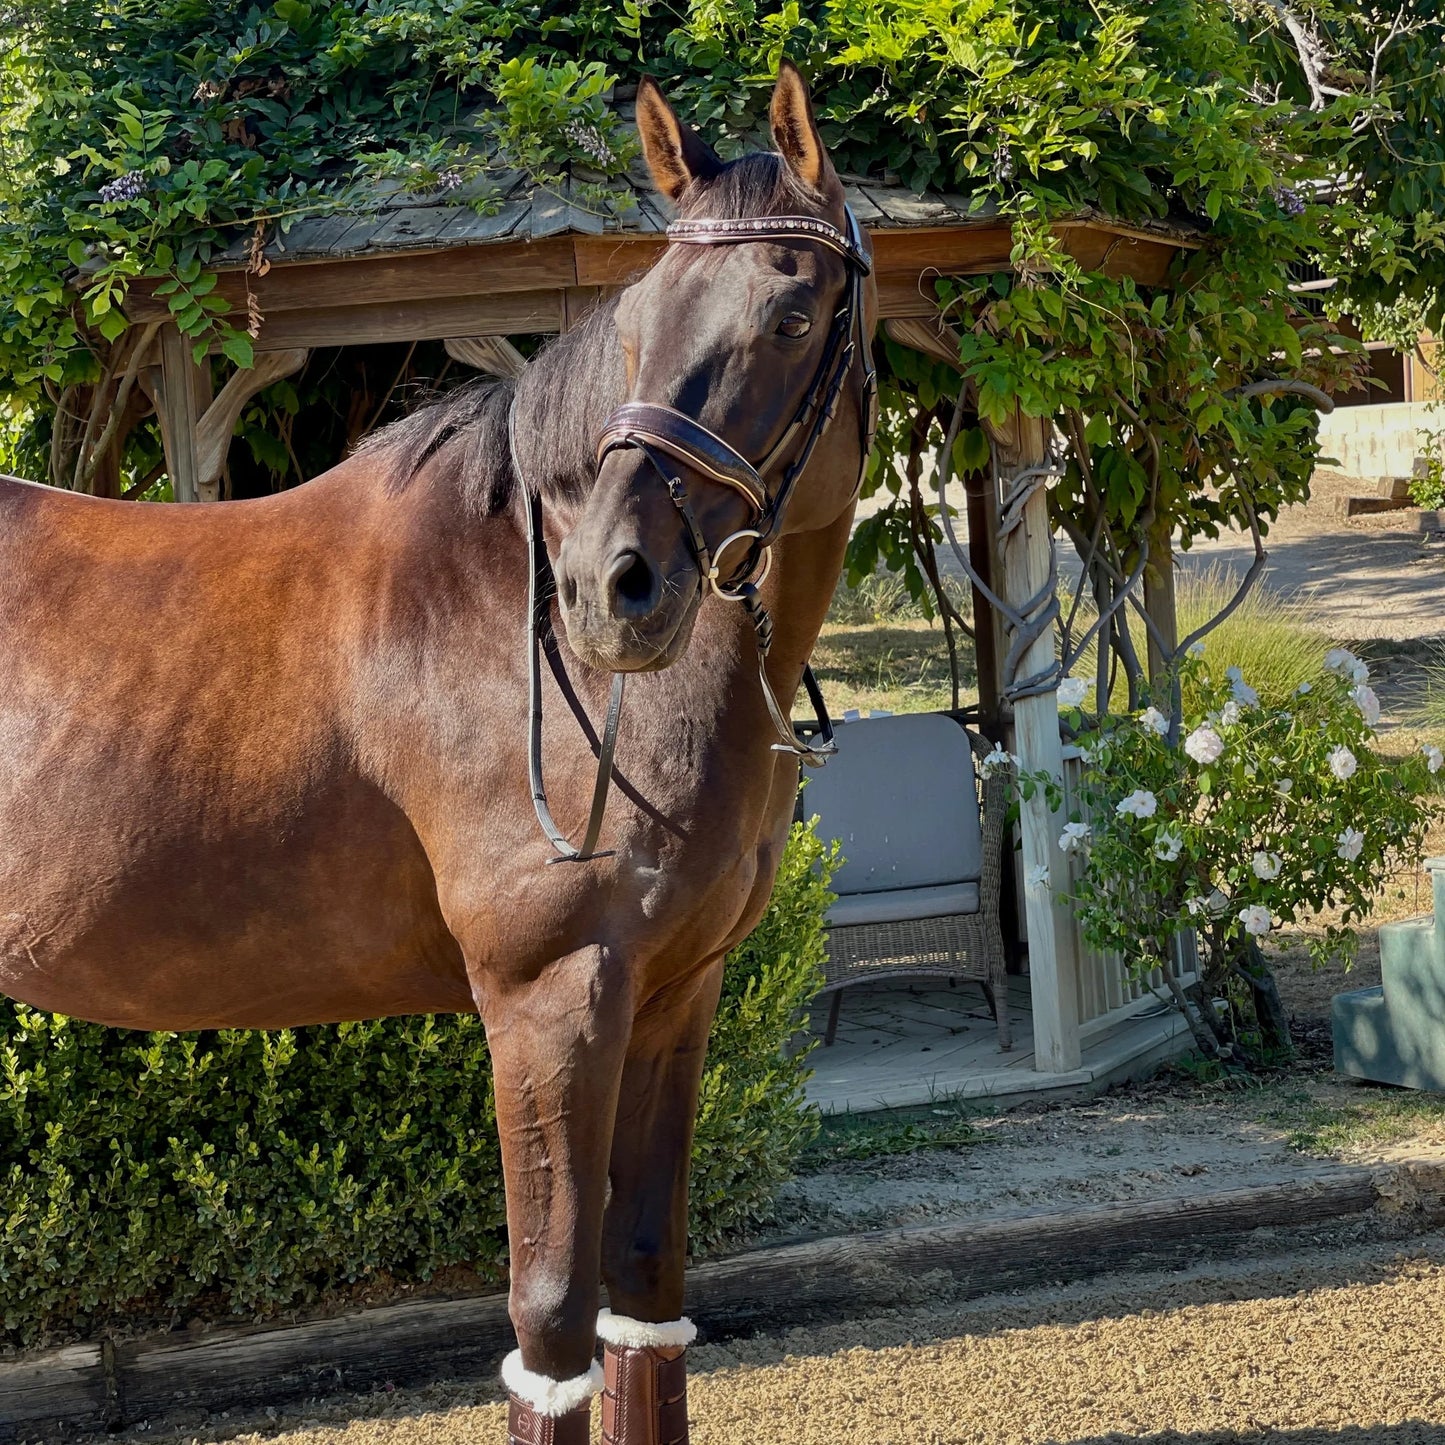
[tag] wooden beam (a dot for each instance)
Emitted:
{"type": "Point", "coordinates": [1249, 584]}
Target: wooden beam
{"type": "Point", "coordinates": [492, 270]}
{"type": "Point", "coordinates": [1099, 247]}
{"type": "Point", "coordinates": [1025, 568]}
{"type": "Point", "coordinates": [510, 314]}
{"type": "Point", "coordinates": [905, 260]}
{"type": "Point", "coordinates": [578, 303]}
{"type": "Point", "coordinates": [616, 260]}
{"type": "Point", "coordinates": [494, 355]}
{"type": "Point", "coordinates": [949, 250]}
{"type": "Point", "coordinates": [176, 405]}
{"type": "Point", "coordinates": [218, 424]}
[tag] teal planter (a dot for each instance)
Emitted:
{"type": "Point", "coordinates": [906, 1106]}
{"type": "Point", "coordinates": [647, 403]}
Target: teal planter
{"type": "Point", "coordinates": [1395, 1034]}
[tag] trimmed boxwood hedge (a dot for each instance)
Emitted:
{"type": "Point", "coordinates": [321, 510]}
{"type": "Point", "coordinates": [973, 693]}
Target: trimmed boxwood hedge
{"type": "Point", "coordinates": [148, 1175]}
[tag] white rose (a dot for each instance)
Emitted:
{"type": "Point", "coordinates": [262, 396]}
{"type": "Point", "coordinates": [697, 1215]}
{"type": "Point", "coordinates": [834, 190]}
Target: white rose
{"type": "Point", "coordinates": [1154, 721]}
{"type": "Point", "coordinates": [1243, 693]}
{"type": "Point", "coordinates": [1344, 662]}
{"type": "Point", "coordinates": [1283, 786]}
{"type": "Point", "coordinates": [1215, 904]}
{"type": "Point", "coordinates": [1267, 866]}
{"type": "Point", "coordinates": [1434, 758]}
{"type": "Point", "coordinates": [1074, 837]}
{"type": "Point", "coordinates": [1351, 842]}
{"type": "Point", "coordinates": [1229, 714]}
{"type": "Point", "coordinates": [1204, 745]}
{"type": "Point", "coordinates": [1073, 691]}
{"type": "Point", "coordinates": [1167, 847]}
{"type": "Point", "coordinates": [1304, 687]}
{"type": "Point", "coordinates": [1343, 763]}
{"type": "Point", "coordinates": [1257, 919]}
{"type": "Point", "coordinates": [997, 759]}
{"type": "Point", "coordinates": [1141, 803]}
{"type": "Point", "coordinates": [1038, 876]}
{"type": "Point", "coordinates": [1368, 704]}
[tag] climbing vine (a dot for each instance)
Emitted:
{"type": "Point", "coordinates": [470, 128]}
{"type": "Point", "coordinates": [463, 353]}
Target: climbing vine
{"type": "Point", "coordinates": [141, 139]}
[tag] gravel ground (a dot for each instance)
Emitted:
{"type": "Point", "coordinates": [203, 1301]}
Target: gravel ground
{"type": "Point", "coordinates": [1334, 1346]}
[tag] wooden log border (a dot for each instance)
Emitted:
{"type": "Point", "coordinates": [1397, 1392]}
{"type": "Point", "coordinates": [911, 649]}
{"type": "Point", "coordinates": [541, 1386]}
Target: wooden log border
{"type": "Point", "coordinates": [120, 1383]}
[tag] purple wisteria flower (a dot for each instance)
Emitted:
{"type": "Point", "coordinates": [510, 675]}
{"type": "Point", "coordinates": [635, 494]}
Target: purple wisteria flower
{"type": "Point", "coordinates": [449, 180]}
{"type": "Point", "coordinates": [591, 142]}
{"type": "Point", "coordinates": [1287, 199]}
{"type": "Point", "coordinates": [123, 188]}
{"type": "Point", "coordinates": [1003, 164]}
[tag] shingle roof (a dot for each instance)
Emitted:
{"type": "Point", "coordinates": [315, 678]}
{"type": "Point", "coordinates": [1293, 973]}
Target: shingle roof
{"type": "Point", "coordinates": [520, 209]}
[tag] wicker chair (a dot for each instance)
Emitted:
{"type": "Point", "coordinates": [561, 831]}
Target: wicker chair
{"type": "Point", "coordinates": [918, 891]}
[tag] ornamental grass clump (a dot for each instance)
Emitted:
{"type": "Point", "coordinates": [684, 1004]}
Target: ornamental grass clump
{"type": "Point", "coordinates": [1245, 818]}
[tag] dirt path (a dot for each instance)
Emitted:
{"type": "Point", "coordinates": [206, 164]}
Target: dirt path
{"type": "Point", "coordinates": [1339, 1346]}
{"type": "Point", "coordinates": [1371, 578]}
{"type": "Point", "coordinates": [1154, 1142]}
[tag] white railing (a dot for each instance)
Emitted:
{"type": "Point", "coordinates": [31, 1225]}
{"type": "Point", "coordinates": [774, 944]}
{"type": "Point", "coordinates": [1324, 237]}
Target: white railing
{"type": "Point", "coordinates": [1107, 992]}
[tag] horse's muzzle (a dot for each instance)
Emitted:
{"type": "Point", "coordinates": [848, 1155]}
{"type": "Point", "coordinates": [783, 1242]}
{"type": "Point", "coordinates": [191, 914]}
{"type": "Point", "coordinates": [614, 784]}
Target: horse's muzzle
{"type": "Point", "coordinates": [622, 612]}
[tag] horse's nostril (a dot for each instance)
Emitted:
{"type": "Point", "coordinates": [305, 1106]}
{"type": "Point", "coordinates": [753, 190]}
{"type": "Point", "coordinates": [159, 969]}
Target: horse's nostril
{"type": "Point", "coordinates": [634, 585]}
{"type": "Point", "coordinates": [567, 585]}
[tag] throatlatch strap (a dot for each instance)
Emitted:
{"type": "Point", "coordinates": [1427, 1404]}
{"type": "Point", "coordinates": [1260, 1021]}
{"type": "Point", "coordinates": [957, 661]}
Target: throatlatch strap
{"type": "Point", "coordinates": [539, 618]}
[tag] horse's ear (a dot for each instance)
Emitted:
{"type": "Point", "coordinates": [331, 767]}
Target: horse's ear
{"type": "Point", "coordinates": [795, 132]}
{"type": "Point", "coordinates": [675, 153]}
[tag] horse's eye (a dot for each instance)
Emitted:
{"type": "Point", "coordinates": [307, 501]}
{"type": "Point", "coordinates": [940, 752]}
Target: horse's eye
{"type": "Point", "coordinates": [795, 324]}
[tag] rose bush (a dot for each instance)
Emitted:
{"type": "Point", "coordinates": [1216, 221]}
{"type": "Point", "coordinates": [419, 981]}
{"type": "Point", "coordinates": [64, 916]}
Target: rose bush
{"type": "Point", "coordinates": [1258, 816]}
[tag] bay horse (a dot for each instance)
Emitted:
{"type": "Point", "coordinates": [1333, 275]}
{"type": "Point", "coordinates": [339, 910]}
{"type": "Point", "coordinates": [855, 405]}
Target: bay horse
{"type": "Point", "coordinates": [265, 763]}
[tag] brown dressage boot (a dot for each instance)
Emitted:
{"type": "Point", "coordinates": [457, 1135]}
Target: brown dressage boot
{"type": "Point", "coordinates": [541, 1411]}
{"type": "Point", "coordinates": [645, 1368]}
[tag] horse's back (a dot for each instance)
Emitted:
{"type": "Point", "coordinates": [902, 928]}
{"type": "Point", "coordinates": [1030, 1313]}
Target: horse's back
{"type": "Point", "coordinates": [183, 837]}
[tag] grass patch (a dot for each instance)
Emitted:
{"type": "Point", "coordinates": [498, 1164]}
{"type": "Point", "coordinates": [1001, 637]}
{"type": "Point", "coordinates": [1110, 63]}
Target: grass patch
{"type": "Point", "coordinates": [883, 597]}
{"type": "Point", "coordinates": [1278, 642]}
{"type": "Point", "coordinates": [1429, 710]}
{"type": "Point", "coordinates": [888, 1134]}
{"type": "Point", "coordinates": [899, 666]}
{"type": "Point", "coordinates": [878, 652]}
{"type": "Point", "coordinates": [1380, 1116]}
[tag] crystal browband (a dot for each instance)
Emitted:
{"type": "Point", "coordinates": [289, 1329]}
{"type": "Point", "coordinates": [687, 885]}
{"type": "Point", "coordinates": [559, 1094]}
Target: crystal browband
{"type": "Point", "coordinates": [720, 231]}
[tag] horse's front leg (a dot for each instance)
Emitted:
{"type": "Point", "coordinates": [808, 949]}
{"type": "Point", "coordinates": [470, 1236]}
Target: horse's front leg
{"type": "Point", "coordinates": [644, 1249]}
{"type": "Point", "coordinates": [557, 1044]}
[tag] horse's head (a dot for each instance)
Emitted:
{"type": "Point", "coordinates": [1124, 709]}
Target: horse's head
{"type": "Point", "coordinates": [737, 345]}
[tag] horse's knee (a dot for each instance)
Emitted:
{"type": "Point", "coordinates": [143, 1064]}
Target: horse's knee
{"type": "Point", "coordinates": [556, 1322]}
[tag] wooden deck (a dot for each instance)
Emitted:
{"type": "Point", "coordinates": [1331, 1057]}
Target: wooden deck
{"type": "Point", "coordinates": [900, 1046]}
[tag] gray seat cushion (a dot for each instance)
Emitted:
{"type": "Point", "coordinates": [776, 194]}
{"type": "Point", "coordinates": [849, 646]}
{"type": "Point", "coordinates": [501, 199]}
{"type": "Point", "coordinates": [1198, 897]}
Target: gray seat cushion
{"type": "Point", "coordinates": [904, 905]}
{"type": "Point", "coordinates": [900, 798]}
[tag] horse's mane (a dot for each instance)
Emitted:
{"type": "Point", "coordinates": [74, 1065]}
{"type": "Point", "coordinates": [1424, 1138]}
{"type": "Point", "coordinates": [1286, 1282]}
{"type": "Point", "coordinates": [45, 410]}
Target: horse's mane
{"type": "Point", "coordinates": [569, 388]}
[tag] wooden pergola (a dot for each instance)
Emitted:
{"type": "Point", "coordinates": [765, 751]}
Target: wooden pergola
{"type": "Point", "coordinates": [434, 268]}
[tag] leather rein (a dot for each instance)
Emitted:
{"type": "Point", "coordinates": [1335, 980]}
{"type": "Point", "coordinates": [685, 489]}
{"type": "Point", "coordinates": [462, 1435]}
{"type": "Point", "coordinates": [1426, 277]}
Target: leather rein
{"type": "Point", "coordinates": [662, 433]}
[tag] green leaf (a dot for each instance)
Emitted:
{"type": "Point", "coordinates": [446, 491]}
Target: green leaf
{"type": "Point", "coordinates": [238, 348]}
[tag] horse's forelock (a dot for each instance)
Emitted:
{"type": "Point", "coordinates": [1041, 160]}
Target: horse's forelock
{"type": "Point", "coordinates": [757, 184]}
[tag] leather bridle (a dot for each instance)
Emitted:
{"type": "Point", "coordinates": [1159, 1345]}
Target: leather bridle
{"type": "Point", "coordinates": [663, 434]}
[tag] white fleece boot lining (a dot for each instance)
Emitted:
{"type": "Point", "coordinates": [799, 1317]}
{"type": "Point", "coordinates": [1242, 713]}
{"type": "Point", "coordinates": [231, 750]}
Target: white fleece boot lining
{"type": "Point", "coordinates": [630, 1334]}
{"type": "Point", "coordinates": [547, 1396]}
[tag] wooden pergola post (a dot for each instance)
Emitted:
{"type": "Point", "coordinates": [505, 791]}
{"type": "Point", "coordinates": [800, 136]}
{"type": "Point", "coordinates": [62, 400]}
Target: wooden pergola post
{"type": "Point", "coordinates": [1026, 559]}
{"type": "Point", "coordinates": [179, 405]}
